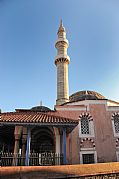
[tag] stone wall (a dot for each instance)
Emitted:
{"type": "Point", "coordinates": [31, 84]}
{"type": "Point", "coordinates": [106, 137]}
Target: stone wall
{"type": "Point", "coordinates": [103, 131]}
{"type": "Point", "coordinates": [104, 170]}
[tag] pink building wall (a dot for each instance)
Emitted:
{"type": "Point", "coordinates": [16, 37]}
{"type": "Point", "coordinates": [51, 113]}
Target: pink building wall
{"type": "Point", "coordinates": [104, 140]}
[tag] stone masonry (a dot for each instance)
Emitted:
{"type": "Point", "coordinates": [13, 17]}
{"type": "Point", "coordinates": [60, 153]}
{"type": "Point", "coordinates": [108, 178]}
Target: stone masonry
{"type": "Point", "coordinates": [61, 61]}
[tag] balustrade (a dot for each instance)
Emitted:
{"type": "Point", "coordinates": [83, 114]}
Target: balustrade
{"type": "Point", "coordinates": [35, 159]}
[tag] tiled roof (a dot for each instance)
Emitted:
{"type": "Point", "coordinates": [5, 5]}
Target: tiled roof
{"type": "Point", "coordinates": [35, 118]}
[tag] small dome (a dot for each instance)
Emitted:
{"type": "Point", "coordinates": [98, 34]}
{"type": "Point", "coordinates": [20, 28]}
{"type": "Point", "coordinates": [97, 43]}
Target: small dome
{"type": "Point", "coordinates": [40, 109]}
{"type": "Point", "coordinates": [85, 95]}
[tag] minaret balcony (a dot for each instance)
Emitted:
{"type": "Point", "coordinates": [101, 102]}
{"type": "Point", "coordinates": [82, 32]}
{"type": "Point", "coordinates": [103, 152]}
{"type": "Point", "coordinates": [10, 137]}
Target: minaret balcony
{"type": "Point", "coordinates": [62, 41]}
{"type": "Point", "coordinates": [62, 58]}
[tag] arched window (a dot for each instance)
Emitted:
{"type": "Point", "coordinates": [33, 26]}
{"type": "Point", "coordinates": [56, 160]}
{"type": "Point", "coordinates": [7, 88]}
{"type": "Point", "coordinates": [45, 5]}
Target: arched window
{"type": "Point", "coordinates": [86, 127]}
{"type": "Point", "coordinates": [115, 123]}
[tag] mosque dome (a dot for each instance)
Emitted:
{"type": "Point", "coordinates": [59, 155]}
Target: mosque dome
{"type": "Point", "coordinates": [40, 109]}
{"type": "Point", "coordinates": [85, 95]}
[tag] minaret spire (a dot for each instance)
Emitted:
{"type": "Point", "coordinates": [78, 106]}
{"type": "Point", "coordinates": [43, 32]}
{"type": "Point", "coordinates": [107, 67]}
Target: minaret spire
{"type": "Point", "coordinates": [61, 61]}
{"type": "Point", "coordinates": [61, 24]}
{"type": "Point", "coordinates": [61, 30]}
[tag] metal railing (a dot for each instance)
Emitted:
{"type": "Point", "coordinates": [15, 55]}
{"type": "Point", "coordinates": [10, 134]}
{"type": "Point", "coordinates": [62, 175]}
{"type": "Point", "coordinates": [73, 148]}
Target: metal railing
{"type": "Point", "coordinates": [35, 159]}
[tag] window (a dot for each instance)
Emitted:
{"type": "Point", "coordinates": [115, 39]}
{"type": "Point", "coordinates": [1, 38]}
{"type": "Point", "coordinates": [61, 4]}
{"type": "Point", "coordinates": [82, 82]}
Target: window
{"type": "Point", "coordinates": [117, 153]}
{"type": "Point", "coordinates": [88, 158]}
{"type": "Point", "coordinates": [84, 126]}
{"type": "Point", "coordinates": [115, 124]}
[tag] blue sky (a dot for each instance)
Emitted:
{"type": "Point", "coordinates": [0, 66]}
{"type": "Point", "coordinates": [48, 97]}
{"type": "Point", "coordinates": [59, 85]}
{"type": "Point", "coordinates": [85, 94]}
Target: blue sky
{"type": "Point", "coordinates": [28, 31]}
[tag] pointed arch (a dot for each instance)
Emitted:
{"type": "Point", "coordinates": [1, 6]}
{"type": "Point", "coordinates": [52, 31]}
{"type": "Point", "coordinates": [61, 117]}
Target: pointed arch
{"type": "Point", "coordinates": [86, 126]}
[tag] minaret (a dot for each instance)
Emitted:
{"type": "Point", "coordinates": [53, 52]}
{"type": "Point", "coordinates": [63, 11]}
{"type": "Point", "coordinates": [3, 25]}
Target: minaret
{"type": "Point", "coordinates": [61, 61]}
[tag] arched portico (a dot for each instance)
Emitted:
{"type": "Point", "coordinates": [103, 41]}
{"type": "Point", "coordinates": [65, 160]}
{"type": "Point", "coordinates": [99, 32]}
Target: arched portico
{"type": "Point", "coordinates": [39, 134]}
{"type": "Point", "coordinates": [42, 139]}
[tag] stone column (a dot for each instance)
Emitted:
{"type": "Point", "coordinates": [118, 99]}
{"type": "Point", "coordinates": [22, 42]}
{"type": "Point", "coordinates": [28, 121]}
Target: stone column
{"type": "Point", "coordinates": [24, 137]}
{"type": "Point", "coordinates": [64, 145]}
{"type": "Point", "coordinates": [57, 162]}
{"type": "Point", "coordinates": [28, 146]}
{"type": "Point", "coordinates": [17, 134]}
{"type": "Point", "coordinates": [16, 150]}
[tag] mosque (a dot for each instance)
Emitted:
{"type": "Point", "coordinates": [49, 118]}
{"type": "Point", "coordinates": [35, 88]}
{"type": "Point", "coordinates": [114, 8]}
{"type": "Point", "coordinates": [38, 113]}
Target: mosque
{"type": "Point", "coordinates": [83, 128]}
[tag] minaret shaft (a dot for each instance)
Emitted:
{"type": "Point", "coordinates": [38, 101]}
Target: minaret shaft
{"type": "Point", "coordinates": [62, 83]}
{"type": "Point", "coordinates": [62, 60]}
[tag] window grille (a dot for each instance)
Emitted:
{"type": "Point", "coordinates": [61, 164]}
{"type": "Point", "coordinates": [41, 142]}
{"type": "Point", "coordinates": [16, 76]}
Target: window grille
{"type": "Point", "coordinates": [116, 124]}
{"type": "Point", "coordinates": [88, 158]}
{"type": "Point", "coordinates": [84, 126]}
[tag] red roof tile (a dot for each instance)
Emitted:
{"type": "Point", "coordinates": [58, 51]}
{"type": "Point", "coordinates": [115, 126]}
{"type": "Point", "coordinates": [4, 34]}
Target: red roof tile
{"type": "Point", "coordinates": [35, 118]}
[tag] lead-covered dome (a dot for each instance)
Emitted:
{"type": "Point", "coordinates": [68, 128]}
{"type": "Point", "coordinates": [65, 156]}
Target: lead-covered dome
{"type": "Point", "coordinates": [40, 109]}
{"type": "Point", "coordinates": [85, 95]}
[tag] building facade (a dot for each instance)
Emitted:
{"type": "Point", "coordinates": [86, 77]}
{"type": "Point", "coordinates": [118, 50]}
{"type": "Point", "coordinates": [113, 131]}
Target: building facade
{"type": "Point", "coordinates": [82, 128]}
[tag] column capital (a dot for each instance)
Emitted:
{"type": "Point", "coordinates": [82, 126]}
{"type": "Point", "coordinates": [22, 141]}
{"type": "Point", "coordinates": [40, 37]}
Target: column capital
{"type": "Point", "coordinates": [23, 141]}
{"type": "Point", "coordinates": [63, 129]}
{"type": "Point", "coordinates": [17, 136]}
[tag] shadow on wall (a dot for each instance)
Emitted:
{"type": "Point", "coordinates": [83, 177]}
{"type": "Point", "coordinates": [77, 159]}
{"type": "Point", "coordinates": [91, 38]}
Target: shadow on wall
{"type": "Point", "coordinates": [64, 171]}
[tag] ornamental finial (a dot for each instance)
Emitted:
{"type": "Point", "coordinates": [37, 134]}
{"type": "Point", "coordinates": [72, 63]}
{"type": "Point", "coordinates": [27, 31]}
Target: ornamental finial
{"type": "Point", "coordinates": [61, 24]}
{"type": "Point", "coordinates": [61, 27]}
